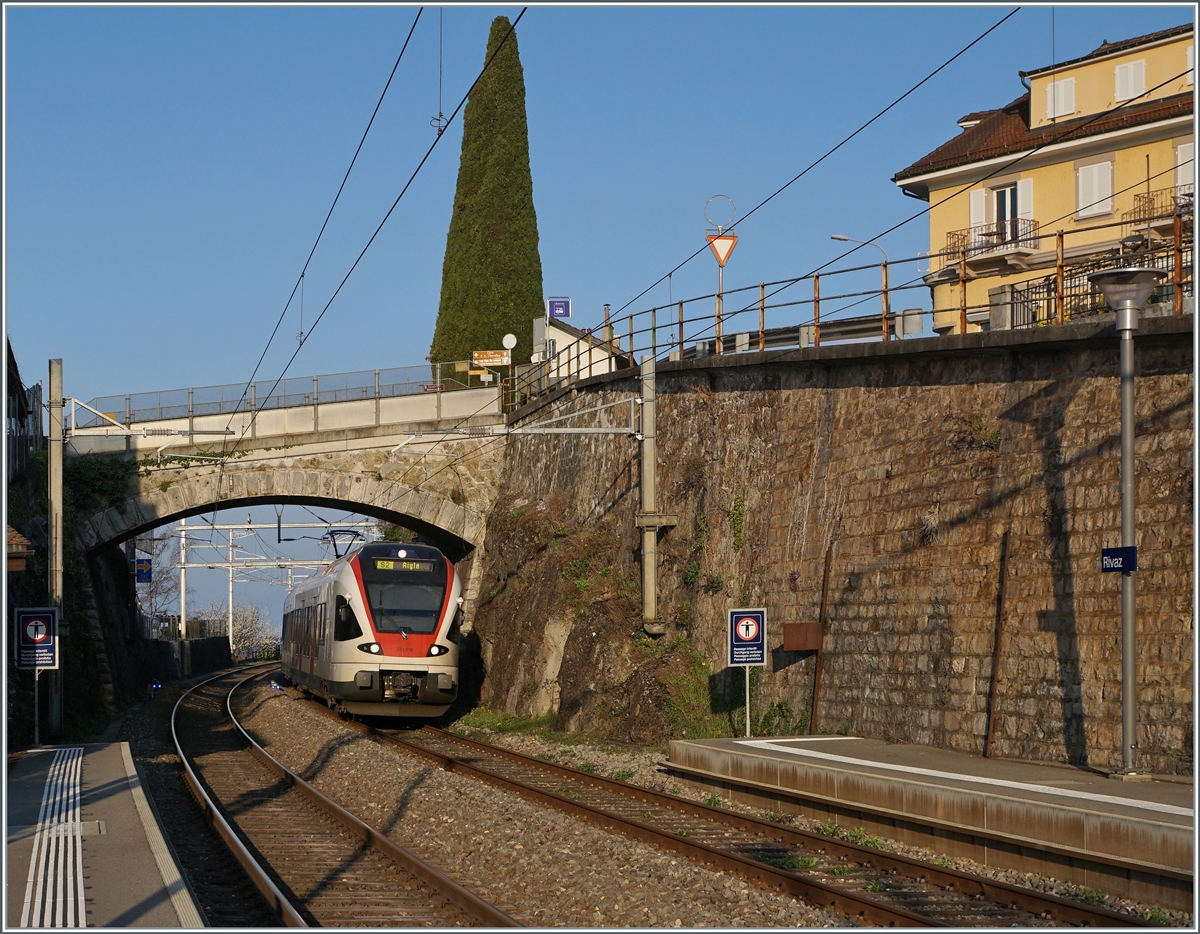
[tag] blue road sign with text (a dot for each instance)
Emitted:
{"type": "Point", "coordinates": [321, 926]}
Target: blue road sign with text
{"type": "Point", "coordinates": [37, 637]}
{"type": "Point", "coordinates": [143, 571]}
{"type": "Point", "coordinates": [748, 637]}
{"type": "Point", "coordinates": [559, 307]}
{"type": "Point", "coordinates": [1123, 559]}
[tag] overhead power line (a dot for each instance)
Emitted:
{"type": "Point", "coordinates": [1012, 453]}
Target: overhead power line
{"type": "Point", "coordinates": [329, 213]}
{"type": "Point", "coordinates": [390, 210]}
{"type": "Point", "coordinates": [812, 165]}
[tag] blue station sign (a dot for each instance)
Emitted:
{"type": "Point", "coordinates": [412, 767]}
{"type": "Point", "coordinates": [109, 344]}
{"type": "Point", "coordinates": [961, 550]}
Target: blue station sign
{"type": "Point", "coordinates": [1114, 560]}
{"type": "Point", "coordinates": [558, 307]}
{"type": "Point", "coordinates": [748, 637]}
{"type": "Point", "coordinates": [37, 637]}
{"type": "Point", "coordinates": [143, 571]}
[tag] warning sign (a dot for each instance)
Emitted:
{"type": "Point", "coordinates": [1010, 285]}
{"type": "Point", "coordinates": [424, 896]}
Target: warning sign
{"type": "Point", "coordinates": [722, 246]}
{"type": "Point", "coordinates": [748, 637]}
{"type": "Point", "coordinates": [37, 637]}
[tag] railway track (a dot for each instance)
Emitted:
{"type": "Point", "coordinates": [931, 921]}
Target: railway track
{"type": "Point", "coordinates": [314, 862]}
{"type": "Point", "coordinates": [859, 881]}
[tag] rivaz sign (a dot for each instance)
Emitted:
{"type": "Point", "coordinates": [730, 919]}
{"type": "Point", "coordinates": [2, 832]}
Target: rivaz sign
{"type": "Point", "coordinates": [1114, 560]}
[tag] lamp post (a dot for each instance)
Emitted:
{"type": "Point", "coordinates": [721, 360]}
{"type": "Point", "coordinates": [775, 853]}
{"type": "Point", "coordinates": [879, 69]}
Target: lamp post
{"type": "Point", "coordinates": [883, 274]}
{"type": "Point", "coordinates": [1126, 291]}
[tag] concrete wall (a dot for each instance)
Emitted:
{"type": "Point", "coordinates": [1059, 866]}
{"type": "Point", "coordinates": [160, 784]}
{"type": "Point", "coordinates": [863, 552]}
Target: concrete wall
{"type": "Point", "coordinates": [912, 461]}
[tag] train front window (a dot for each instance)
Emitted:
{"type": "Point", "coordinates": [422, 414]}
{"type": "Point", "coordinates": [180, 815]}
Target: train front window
{"type": "Point", "coordinates": [405, 595]}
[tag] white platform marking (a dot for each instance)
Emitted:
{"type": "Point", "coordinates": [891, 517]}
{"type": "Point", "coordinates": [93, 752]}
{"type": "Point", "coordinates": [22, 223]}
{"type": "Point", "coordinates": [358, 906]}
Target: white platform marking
{"type": "Point", "coordinates": [54, 889]}
{"type": "Point", "coordinates": [977, 779]}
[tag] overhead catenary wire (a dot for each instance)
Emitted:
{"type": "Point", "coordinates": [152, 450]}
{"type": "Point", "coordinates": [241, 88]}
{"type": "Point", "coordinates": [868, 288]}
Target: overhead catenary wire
{"type": "Point", "coordinates": [1058, 138]}
{"type": "Point", "coordinates": [377, 230]}
{"type": "Point", "coordinates": [812, 165]}
{"type": "Point", "coordinates": [788, 283]}
{"type": "Point", "coordinates": [329, 213]}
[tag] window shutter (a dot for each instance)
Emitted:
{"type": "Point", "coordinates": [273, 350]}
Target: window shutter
{"type": "Point", "coordinates": [1191, 59]}
{"type": "Point", "coordinates": [1131, 80]}
{"type": "Point", "coordinates": [1084, 191]}
{"type": "Point", "coordinates": [1103, 188]}
{"type": "Point", "coordinates": [1025, 198]}
{"type": "Point", "coordinates": [978, 208]}
{"type": "Point", "coordinates": [1060, 98]}
{"type": "Point", "coordinates": [1184, 168]}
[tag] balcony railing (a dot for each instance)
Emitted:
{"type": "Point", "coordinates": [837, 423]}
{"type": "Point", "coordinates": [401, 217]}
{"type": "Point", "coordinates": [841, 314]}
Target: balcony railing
{"type": "Point", "coordinates": [1015, 235]}
{"type": "Point", "coordinates": [1154, 211]}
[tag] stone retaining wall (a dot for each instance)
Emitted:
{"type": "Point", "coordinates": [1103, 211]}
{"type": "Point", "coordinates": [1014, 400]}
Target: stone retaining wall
{"type": "Point", "coordinates": [912, 461]}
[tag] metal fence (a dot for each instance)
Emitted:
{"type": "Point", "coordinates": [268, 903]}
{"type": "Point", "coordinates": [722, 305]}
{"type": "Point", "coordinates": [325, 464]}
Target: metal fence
{"type": "Point", "coordinates": [260, 395]}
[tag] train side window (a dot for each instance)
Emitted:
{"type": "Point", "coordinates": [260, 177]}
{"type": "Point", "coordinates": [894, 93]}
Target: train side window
{"type": "Point", "coordinates": [320, 608]}
{"type": "Point", "coordinates": [345, 624]}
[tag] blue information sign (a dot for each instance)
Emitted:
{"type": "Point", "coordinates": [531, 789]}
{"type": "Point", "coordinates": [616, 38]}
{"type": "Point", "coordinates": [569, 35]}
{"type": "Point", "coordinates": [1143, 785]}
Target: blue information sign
{"type": "Point", "coordinates": [37, 637]}
{"type": "Point", "coordinates": [748, 637]}
{"type": "Point", "coordinates": [1118, 559]}
{"type": "Point", "coordinates": [143, 571]}
{"type": "Point", "coordinates": [558, 307]}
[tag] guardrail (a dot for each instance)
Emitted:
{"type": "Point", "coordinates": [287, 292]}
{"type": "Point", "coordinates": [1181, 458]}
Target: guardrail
{"type": "Point", "coordinates": [295, 391]}
{"type": "Point", "coordinates": [739, 320]}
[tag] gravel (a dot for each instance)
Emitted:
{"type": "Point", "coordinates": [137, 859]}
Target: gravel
{"type": "Point", "coordinates": [647, 772]}
{"type": "Point", "coordinates": [544, 868]}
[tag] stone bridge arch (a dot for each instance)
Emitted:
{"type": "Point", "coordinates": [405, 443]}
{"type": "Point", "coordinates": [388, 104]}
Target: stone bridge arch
{"type": "Point", "coordinates": [450, 508]}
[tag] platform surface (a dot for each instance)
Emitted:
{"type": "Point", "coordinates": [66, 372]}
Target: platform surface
{"type": "Point", "coordinates": [84, 846]}
{"type": "Point", "coordinates": [1151, 821]}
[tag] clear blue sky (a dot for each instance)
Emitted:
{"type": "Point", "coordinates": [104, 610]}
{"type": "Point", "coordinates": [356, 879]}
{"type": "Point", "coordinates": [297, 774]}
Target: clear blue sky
{"type": "Point", "coordinates": [167, 168]}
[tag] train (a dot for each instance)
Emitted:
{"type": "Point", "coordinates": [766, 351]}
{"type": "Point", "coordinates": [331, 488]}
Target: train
{"type": "Point", "coordinates": [376, 632]}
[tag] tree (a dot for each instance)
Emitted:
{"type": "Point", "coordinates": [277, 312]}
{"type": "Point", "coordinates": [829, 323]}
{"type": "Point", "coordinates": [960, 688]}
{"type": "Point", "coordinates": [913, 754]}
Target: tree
{"type": "Point", "coordinates": [254, 636]}
{"type": "Point", "coordinates": [492, 271]}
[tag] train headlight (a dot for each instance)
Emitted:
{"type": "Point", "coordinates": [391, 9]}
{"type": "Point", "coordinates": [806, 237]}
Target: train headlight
{"type": "Point", "coordinates": [438, 650]}
{"type": "Point", "coordinates": [371, 648]}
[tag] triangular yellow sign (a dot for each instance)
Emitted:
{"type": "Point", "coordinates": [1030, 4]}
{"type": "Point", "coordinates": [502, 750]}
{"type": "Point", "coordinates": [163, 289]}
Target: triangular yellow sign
{"type": "Point", "coordinates": [722, 246]}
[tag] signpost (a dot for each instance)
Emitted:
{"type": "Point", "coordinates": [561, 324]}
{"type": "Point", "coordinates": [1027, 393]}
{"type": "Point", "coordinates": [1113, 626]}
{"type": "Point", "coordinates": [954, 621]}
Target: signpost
{"type": "Point", "coordinates": [491, 358]}
{"type": "Point", "coordinates": [143, 570]}
{"type": "Point", "coordinates": [1121, 560]}
{"type": "Point", "coordinates": [37, 648]}
{"type": "Point", "coordinates": [747, 645]}
{"type": "Point", "coordinates": [558, 307]}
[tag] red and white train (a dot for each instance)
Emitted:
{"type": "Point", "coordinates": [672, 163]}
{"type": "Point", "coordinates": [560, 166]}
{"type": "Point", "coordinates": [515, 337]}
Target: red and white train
{"type": "Point", "coordinates": [377, 631]}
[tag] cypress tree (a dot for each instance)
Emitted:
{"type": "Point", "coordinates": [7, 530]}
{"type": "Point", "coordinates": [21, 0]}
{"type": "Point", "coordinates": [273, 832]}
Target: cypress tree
{"type": "Point", "coordinates": [492, 271]}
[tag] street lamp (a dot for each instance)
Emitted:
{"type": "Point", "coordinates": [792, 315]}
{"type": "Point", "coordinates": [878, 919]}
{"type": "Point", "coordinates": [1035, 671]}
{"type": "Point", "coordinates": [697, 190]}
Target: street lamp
{"type": "Point", "coordinates": [1126, 291]}
{"type": "Point", "coordinates": [883, 269]}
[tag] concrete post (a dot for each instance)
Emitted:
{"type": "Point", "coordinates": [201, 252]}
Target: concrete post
{"type": "Point", "coordinates": [649, 485]}
{"type": "Point", "coordinates": [54, 495]}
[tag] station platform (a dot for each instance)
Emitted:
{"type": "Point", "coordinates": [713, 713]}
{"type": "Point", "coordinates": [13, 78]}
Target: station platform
{"type": "Point", "coordinates": [1131, 839]}
{"type": "Point", "coordinates": [84, 846]}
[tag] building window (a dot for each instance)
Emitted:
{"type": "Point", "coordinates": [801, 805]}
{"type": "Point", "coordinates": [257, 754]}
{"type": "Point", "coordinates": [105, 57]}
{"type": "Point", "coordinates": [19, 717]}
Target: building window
{"type": "Point", "coordinates": [1093, 189]}
{"type": "Point", "coordinates": [1131, 80]}
{"type": "Point", "coordinates": [1060, 98]}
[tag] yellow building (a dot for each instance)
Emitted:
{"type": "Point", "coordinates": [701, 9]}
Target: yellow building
{"type": "Point", "coordinates": [1093, 165]}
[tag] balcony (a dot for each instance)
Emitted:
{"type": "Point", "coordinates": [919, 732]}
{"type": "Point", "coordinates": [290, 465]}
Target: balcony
{"type": "Point", "coordinates": [1154, 211]}
{"type": "Point", "coordinates": [998, 244]}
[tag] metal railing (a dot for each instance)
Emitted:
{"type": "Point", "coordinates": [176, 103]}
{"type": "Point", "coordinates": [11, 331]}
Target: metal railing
{"type": "Point", "coordinates": [1160, 205]}
{"type": "Point", "coordinates": [261, 395]}
{"type": "Point", "coordinates": [1019, 233]}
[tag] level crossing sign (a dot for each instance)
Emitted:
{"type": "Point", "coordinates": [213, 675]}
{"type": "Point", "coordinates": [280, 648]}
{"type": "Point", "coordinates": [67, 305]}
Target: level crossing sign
{"type": "Point", "coordinates": [37, 637]}
{"type": "Point", "coordinates": [748, 637]}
